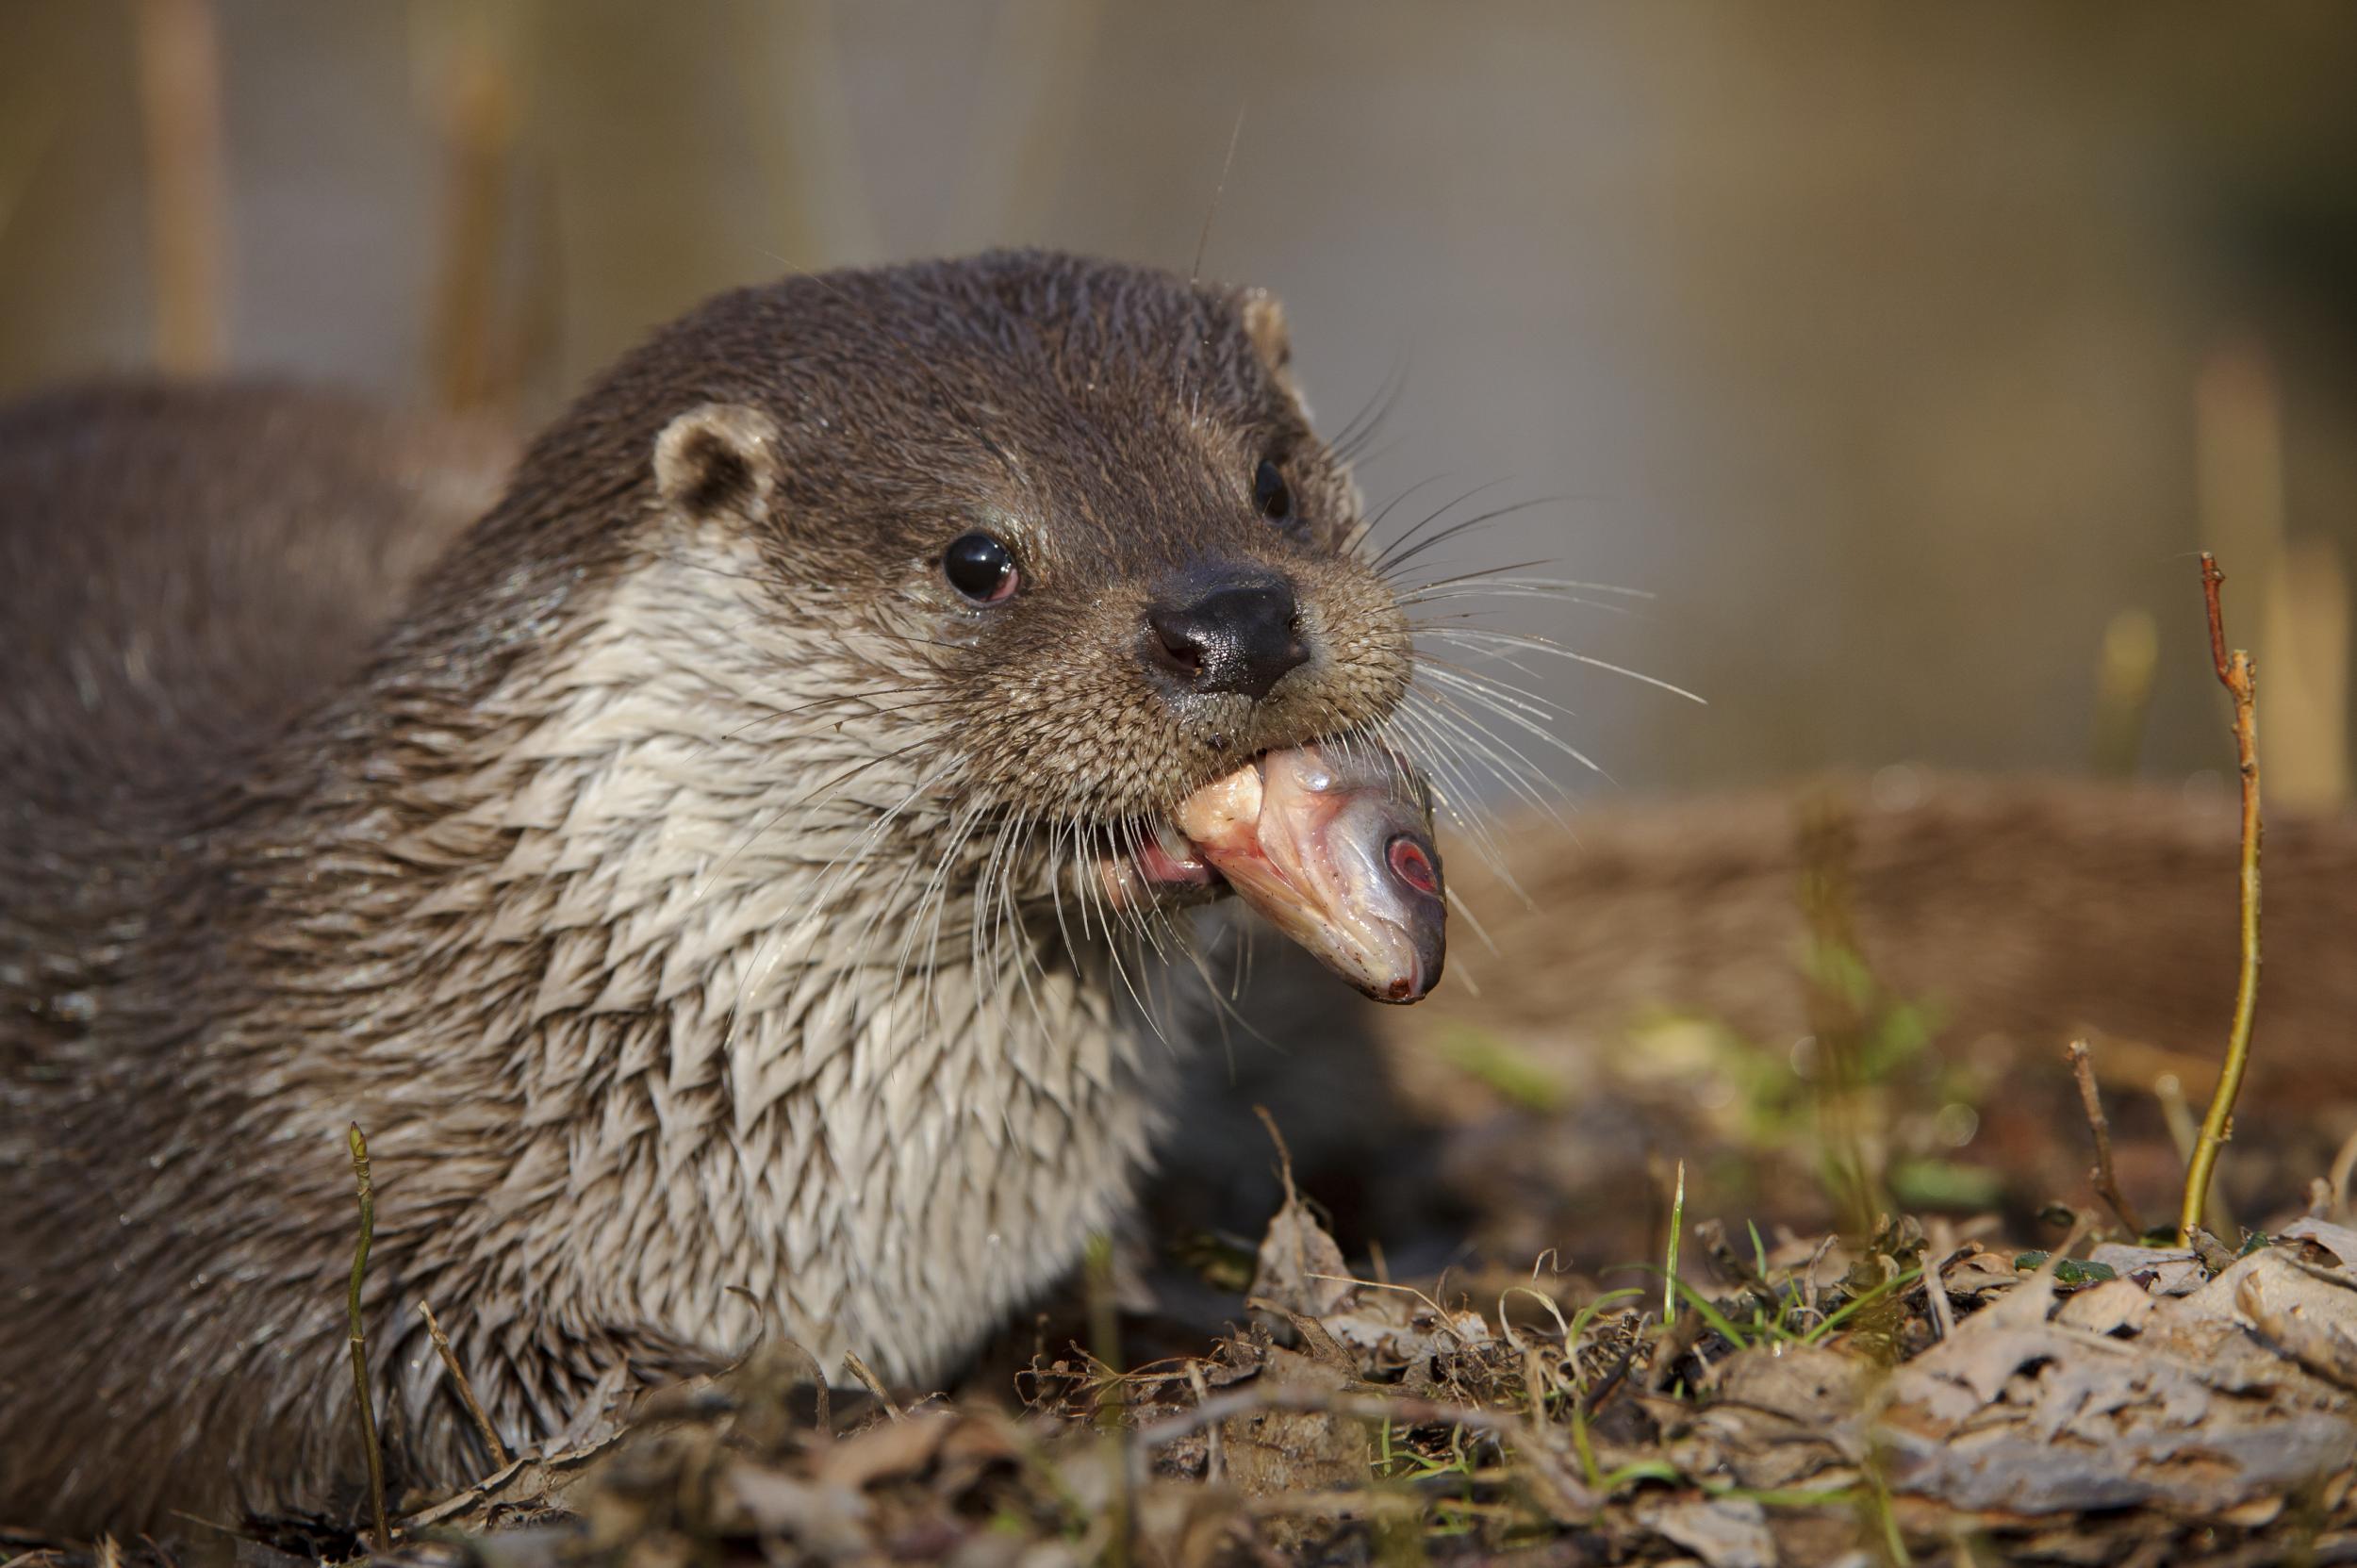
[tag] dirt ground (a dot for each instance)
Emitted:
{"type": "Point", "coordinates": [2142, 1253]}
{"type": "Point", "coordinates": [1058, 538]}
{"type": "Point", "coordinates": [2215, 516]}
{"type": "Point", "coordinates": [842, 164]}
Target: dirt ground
{"type": "Point", "coordinates": [1923, 1393]}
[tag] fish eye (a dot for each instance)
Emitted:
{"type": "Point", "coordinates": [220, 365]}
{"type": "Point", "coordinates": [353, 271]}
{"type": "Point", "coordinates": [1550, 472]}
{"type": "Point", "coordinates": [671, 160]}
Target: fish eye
{"type": "Point", "coordinates": [980, 567]}
{"type": "Point", "coordinates": [1271, 493]}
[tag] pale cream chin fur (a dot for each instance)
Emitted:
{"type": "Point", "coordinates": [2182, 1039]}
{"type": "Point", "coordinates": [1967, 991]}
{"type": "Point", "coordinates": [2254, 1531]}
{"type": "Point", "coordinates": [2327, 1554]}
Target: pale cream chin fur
{"type": "Point", "coordinates": [829, 1102]}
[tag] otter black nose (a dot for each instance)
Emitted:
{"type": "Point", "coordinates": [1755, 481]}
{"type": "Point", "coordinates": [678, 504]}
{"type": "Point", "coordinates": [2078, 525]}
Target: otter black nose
{"type": "Point", "coordinates": [1231, 635]}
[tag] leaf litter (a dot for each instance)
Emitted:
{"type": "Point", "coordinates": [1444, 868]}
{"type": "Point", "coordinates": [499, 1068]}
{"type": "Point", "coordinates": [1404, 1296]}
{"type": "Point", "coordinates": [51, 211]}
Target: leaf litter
{"type": "Point", "coordinates": [1814, 1412]}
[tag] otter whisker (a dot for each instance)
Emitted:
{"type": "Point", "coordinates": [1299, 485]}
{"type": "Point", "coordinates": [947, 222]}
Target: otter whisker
{"type": "Point", "coordinates": [935, 896]}
{"type": "Point", "coordinates": [1526, 701]}
{"type": "Point", "coordinates": [1469, 718]}
{"type": "Point", "coordinates": [1470, 637]}
{"type": "Point", "coordinates": [1415, 601]}
{"type": "Point", "coordinates": [834, 874]}
{"type": "Point", "coordinates": [1506, 762]}
{"type": "Point", "coordinates": [1112, 951]}
{"type": "Point", "coordinates": [1367, 529]}
{"type": "Point", "coordinates": [1455, 744]}
{"type": "Point", "coordinates": [1493, 657]}
{"type": "Point", "coordinates": [1401, 553]}
{"type": "Point", "coordinates": [1451, 788]}
{"type": "Point", "coordinates": [1367, 525]}
{"type": "Point", "coordinates": [1384, 564]}
{"type": "Point", "coordinates": [1496, 577]}
{"type": "Point", "coordinates": [1509, 711]}
{"type": "Point", "coordinates": [1363, 427]}
{"type": "Point", "coordinates": [1462, 806]}
{"type": "Point", "coordinates": [1144, 928]}
{"type": "Point", "coordinates": [998, 937]}
{"type": "Point", "coordinates": [985, 966]}
{"type": "Point", "coordinates": [998, 922]}
{"type": "Point", "coordinates": [1409, 592]}
{"type": "Point", "coordinates": [1058, 837]}
{"type": "Point", "coordinates": [1411, 734]}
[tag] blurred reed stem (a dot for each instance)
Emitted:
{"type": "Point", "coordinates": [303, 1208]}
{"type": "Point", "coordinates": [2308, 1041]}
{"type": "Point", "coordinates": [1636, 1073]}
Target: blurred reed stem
{"type": "Point", "coordinates": [473, 351]}
{"type": "Point", "coordinates": [2123, 691]}
{"type": "Point", "coordinates": [2302, 596]}
{"type": "Point", "coordinates": [179, 87]}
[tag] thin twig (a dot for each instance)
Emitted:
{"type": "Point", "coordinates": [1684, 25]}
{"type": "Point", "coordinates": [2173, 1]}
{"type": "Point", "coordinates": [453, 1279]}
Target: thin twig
{"type": "Point", "coordinates": [1939, 1250]}
{"type": "Point", "coordinates": [466, 1389]}
{"type": "Point", "coordinates": [383, 1535]}
{"type": "Point", "coordinates": [2240, 679]}
{"type": "Point", "coordinates": [1612, 1379]}
{"type": "Point", "coordinates": [2344, 1164]}
{"type": "Point", "coordinates": [1214, 1451]}
{"type": "Point", "coordinates": [1669, 1264]}
{"type": "Point", "coordinates": [2105, 1178]}
{"type": "Point", "coordinates": [869, 1379]}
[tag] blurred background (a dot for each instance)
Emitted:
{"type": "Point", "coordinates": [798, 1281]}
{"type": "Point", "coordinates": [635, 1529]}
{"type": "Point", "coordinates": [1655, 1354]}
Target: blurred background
{"type": "Point", "coordinates": [1903, 356]}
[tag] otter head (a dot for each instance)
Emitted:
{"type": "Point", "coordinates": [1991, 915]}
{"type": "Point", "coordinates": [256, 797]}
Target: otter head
{"type": "Point", "coordinates": [1069, 523]}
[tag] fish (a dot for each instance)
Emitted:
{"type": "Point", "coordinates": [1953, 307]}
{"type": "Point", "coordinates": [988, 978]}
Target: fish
{"type": "Point", "coordinates": [1333, 845]}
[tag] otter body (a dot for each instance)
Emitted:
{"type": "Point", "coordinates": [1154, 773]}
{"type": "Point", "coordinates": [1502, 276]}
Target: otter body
{"type": "Point", "coordinates": [697, 891]}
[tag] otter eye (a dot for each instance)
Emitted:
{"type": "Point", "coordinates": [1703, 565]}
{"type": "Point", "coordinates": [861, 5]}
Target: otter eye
{"type": "Point", "coordinates": [979, 567]}
{"type": "Point", "coordinates": [1271, 493]}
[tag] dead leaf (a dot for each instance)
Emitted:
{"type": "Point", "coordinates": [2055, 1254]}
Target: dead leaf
{"type": "Point", "coordinates": [889, 1448]}
{"type": "Point", "coordinates": [1300, 1268]}
{"type": "Point", "coordinates": [2163, 1270]}
{"type": "Point", "coordinates": [2018, 1413]}
{"type": "Point", "coordinates": [2107, 1308]}
{"type": "Point", "coordinates": [2339, 1240]}
{"type": "Point", "coordinates": [2312, 1321]}
{"type": "Point", "coordinates": [1783, 1414]}
{"type": "Point", "coordinates": [1724, 1532]}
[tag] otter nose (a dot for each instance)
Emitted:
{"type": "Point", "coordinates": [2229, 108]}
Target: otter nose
{"type": "Point", "coordinates": [1230, 635]}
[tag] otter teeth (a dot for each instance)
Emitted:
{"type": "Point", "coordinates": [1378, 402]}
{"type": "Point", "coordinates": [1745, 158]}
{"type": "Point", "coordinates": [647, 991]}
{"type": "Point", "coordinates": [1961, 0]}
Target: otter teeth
{"type": "Point", "coordinates": [1175, 843]}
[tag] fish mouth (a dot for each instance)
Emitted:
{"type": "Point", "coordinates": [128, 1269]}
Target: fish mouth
{"type": "Point", "coordinates": [1332, 844]}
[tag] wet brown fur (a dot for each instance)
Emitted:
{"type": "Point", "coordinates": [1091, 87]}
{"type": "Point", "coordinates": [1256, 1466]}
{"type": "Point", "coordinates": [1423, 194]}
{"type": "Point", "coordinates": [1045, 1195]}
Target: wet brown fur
{"type": "Point", "coordinates": [679, 889]}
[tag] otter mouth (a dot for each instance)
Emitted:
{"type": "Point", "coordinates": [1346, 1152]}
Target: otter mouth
{"type": "Point", "coordinates": [1332, 845]}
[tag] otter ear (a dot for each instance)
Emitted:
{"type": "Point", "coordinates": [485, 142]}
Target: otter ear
{"type": "Point", "coordinates": [1264, 324]}
{"type": "Point", "coordinates": [718, 457]}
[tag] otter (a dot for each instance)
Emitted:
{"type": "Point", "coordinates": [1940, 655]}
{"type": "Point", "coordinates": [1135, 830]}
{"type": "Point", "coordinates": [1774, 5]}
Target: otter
{"type": "Point", "coordinates": [726, 890]}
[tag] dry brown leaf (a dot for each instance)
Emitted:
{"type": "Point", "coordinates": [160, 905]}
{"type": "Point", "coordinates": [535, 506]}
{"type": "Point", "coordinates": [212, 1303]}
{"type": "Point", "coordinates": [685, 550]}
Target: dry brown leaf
{"type": "Point", "coordinates": [2162, 1270]}
{"type": "Point", "coordinates": [2018, 1414]}
{"type": "Point", "coordinates": [1300, 1268]}
{"type": "Point", "coordinates": [1724, 1532]}
{"type": "Point", "coordinates": [2107, 1308]}
{"type": "Point", "coordinates": [888, 1448]}
{"type": "Point", "coordinates": [2339, 1240]}
{"type": "Point", "coordinates": [2314, 1321]}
